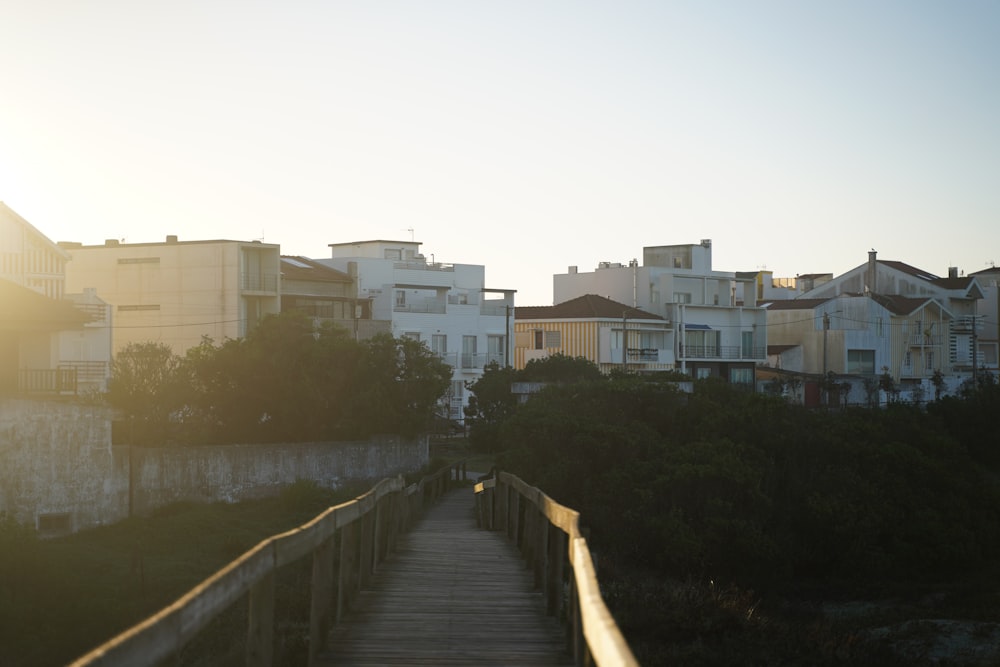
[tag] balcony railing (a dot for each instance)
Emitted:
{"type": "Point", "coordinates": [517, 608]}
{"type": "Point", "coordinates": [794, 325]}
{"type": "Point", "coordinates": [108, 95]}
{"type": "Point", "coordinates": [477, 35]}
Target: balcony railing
{"type": "Point", "coordinates": [643, 354]}
{"type": "Point", "coordinates": [59, 381]}
{"type": "Point", "coordinates": [924, 340]}
{"type": "Point", "coordinates": [728, 352]}
{"type": "Point", "coordinates": [422, 307]}
{"type": "Point", "coordinates": [259, 282]}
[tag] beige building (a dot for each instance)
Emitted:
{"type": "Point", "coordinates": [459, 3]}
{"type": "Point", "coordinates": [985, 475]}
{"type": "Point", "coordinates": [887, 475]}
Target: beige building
{"type": "Point", "coordinates": [51, 341]}
{"type": "Point", "coordinates": [592, 327]}
{"type": "Point", "coordinates": [177, 292]}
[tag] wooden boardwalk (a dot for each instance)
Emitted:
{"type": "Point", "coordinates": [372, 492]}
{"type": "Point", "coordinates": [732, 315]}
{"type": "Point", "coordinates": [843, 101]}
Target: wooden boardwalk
{"type": "Point", "coordinates": [451, 594]}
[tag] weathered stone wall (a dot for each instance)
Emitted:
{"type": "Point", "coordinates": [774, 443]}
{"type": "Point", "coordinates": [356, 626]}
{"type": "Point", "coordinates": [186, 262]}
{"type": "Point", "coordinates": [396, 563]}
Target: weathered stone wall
{"type": "Point", "coordinates": [56, 459]}
{"type": "Point", "coordinates": [239, 472]}
{"type": "Point", "coordinates": [58, 467]}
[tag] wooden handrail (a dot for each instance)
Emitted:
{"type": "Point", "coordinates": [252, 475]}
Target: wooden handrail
{"type": "Point", "coordinates": [368, 526]}
{"type": "Point", "coordinates": [548, 536]}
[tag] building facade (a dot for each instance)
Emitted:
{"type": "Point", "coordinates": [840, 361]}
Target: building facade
{"type": "Point", "coordinates": [51, 341]}
{"type": "Point", "coordinates": [448, 307]}
{"type": "Point", "coordinates": [178, 292]}
{"type": "Point", "coordinates": [720, 331]}
{"type": "Point", "coordinates": [610, 334]}
{"type": "Point", "coordinates": [958, 295]}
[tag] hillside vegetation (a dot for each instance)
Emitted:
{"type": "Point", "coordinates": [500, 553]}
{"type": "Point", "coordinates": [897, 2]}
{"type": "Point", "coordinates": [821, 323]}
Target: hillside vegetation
{"type": "Point", "coordinates": [728, 524]}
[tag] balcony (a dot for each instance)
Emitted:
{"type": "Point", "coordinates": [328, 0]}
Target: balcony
{"type": "Point", "coordinates": [727, 352]}
{"type": "Point", "coordinates": [259, 282]}
{"type": "Point", "coordinates": [432, 307]}
{"type": "Point", "coordinates": [47, 381]}
{"type": "Point", "coordinates": [479, 360]}
{"type": "Point", "coordinates": [925, 340]}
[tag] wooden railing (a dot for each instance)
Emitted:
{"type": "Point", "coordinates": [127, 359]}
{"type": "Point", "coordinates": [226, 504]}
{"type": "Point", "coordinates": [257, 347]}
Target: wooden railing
{"type": "Point", "coordinates": [548, 536]}
{"type": "Point", "coordinates": [368, 527]}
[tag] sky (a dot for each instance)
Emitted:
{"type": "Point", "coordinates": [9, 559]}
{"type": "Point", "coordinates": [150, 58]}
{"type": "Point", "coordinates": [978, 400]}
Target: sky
{"type": "Point", "coordinates": [527, 136]}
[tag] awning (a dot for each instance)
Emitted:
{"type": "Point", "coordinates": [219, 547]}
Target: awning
{"type": "Point", "coordinates": [697, 327]}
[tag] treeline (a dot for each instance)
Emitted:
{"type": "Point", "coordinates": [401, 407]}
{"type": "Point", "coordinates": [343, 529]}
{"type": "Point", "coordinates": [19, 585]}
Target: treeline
{"type": "Point", "coordinates": [286, 381]}
{"type": "Point", "coordinates": [744, 490]}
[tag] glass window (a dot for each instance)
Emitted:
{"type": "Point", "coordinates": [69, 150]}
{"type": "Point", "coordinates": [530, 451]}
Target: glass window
{"type": "Point", "coordinates": [861, 361]}
{"type": "Point", "coordinates": [741, 375]}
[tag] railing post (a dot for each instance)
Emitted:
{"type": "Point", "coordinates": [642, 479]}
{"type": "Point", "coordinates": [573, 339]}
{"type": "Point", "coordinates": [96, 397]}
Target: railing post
{"type": "Point", "coordinates": [557, 564]}
{"type": "Point", "coordinates": [348, 580]}
{"type": "Point", "coordinates": [322, 597]}
{"type": "Point", "coordinates": [260, 623]}
{"type": "Point", "coordinates": [367, 540]}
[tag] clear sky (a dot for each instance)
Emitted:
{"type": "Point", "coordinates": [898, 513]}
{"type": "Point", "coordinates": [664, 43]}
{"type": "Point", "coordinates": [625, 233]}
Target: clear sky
{"type": "Point", "coordinates": [524, 135]}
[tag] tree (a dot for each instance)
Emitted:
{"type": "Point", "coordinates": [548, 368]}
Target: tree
{"type": "Point", "coordinates": [146, 384]}
{"type": "Point", "coordinates": [490, 404]}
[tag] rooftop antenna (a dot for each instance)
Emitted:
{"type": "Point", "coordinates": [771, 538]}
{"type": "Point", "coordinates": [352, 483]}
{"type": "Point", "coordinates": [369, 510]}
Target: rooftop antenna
{"type": "Point", "coordinates": [410, 229]}
{"type": "Point", "coordinates": [261, 239]}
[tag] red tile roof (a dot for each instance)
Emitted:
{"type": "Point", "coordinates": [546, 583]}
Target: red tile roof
{"type": "Point", "coordinates": [589, 306]}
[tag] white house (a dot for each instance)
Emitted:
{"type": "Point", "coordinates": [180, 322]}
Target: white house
{"type": "Point", "coordinates": [717, 327]}
{"type": "Point", "coordinates": [958, 295]}
{"type": "Point", "coordinates": [446, 306]}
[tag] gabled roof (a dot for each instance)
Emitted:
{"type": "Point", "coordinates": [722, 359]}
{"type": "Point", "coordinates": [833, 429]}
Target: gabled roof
{"type": "Point", "coordinates": [12, 214]}
{"type": "Point", "coordinates": [27, 310]}
{"type": "Point", "coordinates": [906, 268]}
{"type": "Point", "coordinates": [993, 270]}
{"type": "Point", "coordinates": [904, 305]}
{"type": "Point", "coordinates": [588, 306]}
{"type": "Point", "coordinates": [795, 304]}
{"type": "Point", "coordinates": [294, 267]}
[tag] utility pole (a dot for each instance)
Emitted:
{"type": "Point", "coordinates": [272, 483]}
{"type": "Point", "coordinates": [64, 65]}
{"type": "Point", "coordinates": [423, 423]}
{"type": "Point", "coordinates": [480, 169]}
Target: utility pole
{"type": "Point", "coordinates": [624, 340]}
{"type": "Point", "coordinates": [826, 330]}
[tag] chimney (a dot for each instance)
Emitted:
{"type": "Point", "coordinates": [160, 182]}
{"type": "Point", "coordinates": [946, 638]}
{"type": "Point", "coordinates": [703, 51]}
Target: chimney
{"type": "Point", "coordinates": [572, 270]}
{"type": "Point", "coordinates": [870, 280]}
{"type": "Point", "coordinates": [110, 243]}
{"type": "Point", "coordinates": [171, 238]}
{"type": "Point", "coordinates": [953, 272]}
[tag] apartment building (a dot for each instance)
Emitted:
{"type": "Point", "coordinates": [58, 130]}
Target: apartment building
{"type": "Point", "coordinates": [610, 334]}
{"type": "Point", "coordinates": [447, 306]}
{"type": "Point", "coordinates": [177, 292]}
{"type": "Point", "coordinates": [718, 328]}
{"type": "Point", "coordinates": [51, 341]}
{"type": "Point", "coordinates": [960, 296]}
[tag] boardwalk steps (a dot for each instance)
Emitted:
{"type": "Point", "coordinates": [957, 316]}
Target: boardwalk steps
{"type": "Point", "coordinates": [450, 594]}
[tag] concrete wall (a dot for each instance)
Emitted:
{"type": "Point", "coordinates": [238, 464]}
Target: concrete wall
{"type": "Point", "coordinates": [59, 472]}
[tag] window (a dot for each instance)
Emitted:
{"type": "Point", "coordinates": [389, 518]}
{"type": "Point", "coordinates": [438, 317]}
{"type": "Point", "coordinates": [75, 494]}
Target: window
{"type": "Point", "coordinates": [400, 298]}
{"type": "Point", "coordinates": [987, 354]}
{"type": "Point", "coordinates": [747, 340]}
{"type": "Point", "coordinates": [861, 361]}
{"type": "Point", "coordinates": [495, 349]}
{"type": "Point", "coordinates": [929, 360]}
{"type": "Point", "coordinates": [553, 339]}
{"type": "Point", "coordinates": [412, 335]}
{"type": "Point", "coordinates": [439, 344]}
{"type": "Point", "coordinates": [878, 327]}
{"type": "Point", "coordinates": [539, 339]}
{"type": "Point", "coordinates": [682, 297]}
{"type": "Point", "coordinates": [469, 352]}
{"type": "Point", "coordinates": [702, 373]}
{"type": "Point", "coordinates": [741, 375]}
{"type": "Point", "coordinates": [393, 254]}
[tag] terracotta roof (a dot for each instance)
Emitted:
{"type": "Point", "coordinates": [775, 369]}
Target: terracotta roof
{"type": "Point", "coordinates": [906, 268]}
{"type": "Point", "coordinates": [954, 283]}
{"type": "Point", "coordinates": [795, 304]}
{"type": "Point", "coordinates": [589, 306]}
{"type": "Point", "coordinates": [900, 305]}
{"type": "Point", "coordinates": [27, 310]}
{"type": "Point", "coordinates": [302, 268]}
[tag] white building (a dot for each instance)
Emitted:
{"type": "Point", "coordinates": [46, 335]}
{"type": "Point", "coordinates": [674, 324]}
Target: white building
{"type": "Point", "coordinates": [718, 328]}
{"type": "Point", "coordinates": [446, 306]}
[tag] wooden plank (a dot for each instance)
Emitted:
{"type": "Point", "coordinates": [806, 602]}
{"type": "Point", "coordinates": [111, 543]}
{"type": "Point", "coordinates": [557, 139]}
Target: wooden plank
{"type": "Point", "coordinates": [451, 594]}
